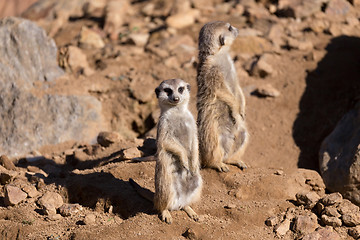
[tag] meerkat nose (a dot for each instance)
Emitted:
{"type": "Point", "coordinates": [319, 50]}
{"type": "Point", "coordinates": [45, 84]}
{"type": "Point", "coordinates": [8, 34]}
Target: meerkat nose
{"type": "Point", "coordinates": [176, 99]}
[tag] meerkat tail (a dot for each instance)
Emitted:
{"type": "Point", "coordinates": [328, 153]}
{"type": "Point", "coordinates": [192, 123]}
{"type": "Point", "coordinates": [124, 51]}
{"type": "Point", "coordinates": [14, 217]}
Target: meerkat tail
{"type": "Point", "coordinates": [143, 192]}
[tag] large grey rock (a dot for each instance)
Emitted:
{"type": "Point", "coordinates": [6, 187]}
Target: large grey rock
{"type": "Point", "coordinates": [340, 159]}
{"type": "Point", "coordinates": [30, 119]}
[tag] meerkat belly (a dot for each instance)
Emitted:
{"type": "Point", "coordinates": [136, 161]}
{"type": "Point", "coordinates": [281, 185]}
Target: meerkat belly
{"type": "Point", "coordinates": [185, 186]}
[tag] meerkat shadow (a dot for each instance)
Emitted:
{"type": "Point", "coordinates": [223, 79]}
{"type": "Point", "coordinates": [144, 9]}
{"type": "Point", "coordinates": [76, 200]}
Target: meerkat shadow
{"type": "Point", "coordinates": [332, 89]}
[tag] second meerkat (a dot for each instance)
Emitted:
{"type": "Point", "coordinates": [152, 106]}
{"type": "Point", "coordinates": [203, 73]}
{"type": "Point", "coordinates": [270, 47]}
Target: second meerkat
{"type": "Point", "coordinates": [178, 181]}
{"type": "Point", "coordinates": [223, 135]}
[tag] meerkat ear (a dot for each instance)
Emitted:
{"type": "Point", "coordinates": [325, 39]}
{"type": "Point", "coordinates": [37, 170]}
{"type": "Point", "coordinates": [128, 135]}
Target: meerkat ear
{"type": "Point", "coordinates": [222, 40]}
{"type": "Point", "coordinates": [157, 92]}
{"type": "Point", "coordinates": [188, 87]}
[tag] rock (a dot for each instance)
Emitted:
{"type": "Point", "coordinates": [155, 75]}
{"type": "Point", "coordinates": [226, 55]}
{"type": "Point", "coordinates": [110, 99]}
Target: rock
{"type": "Point", "coordinates": [331, 211]}
{"type": "Point", "coordinates": [184, 19]}
{"type": "Point", "coordinates": [262, 67]}
{"type": "Point", "coordinates": [322, 234]}
{"type": "Point", "coordinates": [331, 221]}
{"type": "Point", "coordinates": [94, 8]}
{"type": "Point", "coordinates": [304, 45]}
{"type": "Point", "coordinates": [337, 8]}
{"type": "Point", "coordinates": [297, 8]}
{"type": "Point", "coordinates": [54, 217]}
{"type": "Point", "coordinates": [252, 45]}
{"type": "Point", "coordinates": [283, 227]}
{"type": "Point", "coordinates": [89, 219]}
{"type": "Point", "coordinates": [116, 11]}
{"type": "Point", "coordinates": [105, 139]}
{"type": "Point", "coordinates": [339, 162]}
{"type": "Point", "coordinates": [331, 199]}
{"type": "Point", "coordinates": [351, 219]}
{"type": "Point", "coordinates": [139, 39]}
{"type": "Point", "coordinates": [347, 207]}
{"type": "Point", "coordinates": [6, 177]}
{"type": "Point", "coordinates": [7, 163]}
{"type": "Point", "coordinates": [305, 224]}
{"type": "Point", "coordinates": [31, 191]}
{"type": "Point", "coordinates": [142, 88]}
{"type": "Point", "coordinates": [26, 115]}
{"type": "Point", "coordinates": [309, 199]}
{"type": "Point", "coordinates": [354, 232]}
{"type": "Point", "coordinates": [190, 234]}
{"type": "Point", "coordinates": [90, 39]}
{"type": "Point", "coordinates": [77, 61]}
{"type": "Point", "coordinates": [272, 221]}
{"type": "Point", "coordinates": [68, 209]}
{"type": "Point", "coordinates": [13, 195]}
{"type": "Point", "coordinates": [267, 90]}
{"type": "Point", "coordinates": [132, 152]}
{"type": "Point", "coordinates": [51, 201]}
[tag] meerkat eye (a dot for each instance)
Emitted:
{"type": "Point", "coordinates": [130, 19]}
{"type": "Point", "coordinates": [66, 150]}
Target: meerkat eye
{"type": "Point", "coordinates": [230, 28]}
{"type": "Point", "coordinates": [168, 91]}
{"type": "Point", "coordinates": [181, 89]}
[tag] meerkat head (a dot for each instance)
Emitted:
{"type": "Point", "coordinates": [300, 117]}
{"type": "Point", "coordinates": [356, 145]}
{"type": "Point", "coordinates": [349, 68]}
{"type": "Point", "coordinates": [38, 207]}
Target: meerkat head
{"type": "Point", "coordinates": [173, 92]}
{"type": "Point", "coordinates": [216, 35]}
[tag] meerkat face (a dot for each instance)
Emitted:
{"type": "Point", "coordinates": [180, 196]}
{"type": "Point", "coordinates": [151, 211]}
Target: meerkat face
{"type": "Point", "coordinates": [216, 35]}
{"type": "Point", "coordinates": [173, 92]}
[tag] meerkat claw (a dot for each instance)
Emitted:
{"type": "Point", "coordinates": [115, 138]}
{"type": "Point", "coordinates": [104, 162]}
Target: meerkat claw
{"type": "Point", "coordinates": [166, 217]}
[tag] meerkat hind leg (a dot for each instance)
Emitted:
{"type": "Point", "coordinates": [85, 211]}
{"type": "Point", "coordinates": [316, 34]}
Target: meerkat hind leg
{"type": "Point", "coordinates": [191, 213]}
{"type": "Point", "coordinates": [240, 144]}
{"type": "Point", "coordinates": [166, 216]}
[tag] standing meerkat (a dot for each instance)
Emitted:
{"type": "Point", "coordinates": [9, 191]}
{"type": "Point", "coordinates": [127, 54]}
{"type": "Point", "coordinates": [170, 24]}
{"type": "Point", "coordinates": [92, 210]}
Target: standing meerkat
{"type": "Point", "coordinates": [178, 181]}
{"type": "Point", "coordinates": [220, 101]}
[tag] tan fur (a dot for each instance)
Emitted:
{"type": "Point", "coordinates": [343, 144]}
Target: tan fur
{"type": "Point", "coordinates": [220, 101]}
{"type": "Point", "coordinates": [177, 175]}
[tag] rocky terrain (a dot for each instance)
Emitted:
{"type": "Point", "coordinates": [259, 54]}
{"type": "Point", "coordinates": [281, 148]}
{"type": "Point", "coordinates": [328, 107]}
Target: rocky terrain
{"type": "Point", "coordinates": [77, 103]}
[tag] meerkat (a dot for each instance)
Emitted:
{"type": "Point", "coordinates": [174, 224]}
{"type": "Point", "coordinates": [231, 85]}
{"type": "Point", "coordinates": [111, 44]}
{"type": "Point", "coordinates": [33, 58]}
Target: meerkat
{"type": "Point", "coordinates": [178, 182]}
{"type": "Point", "coordinates": [223, 135]}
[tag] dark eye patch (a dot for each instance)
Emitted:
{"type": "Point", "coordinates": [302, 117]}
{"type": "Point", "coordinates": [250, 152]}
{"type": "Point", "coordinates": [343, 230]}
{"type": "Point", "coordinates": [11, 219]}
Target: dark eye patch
{"type": "Point", "coordinates": [168, 91]}
{"type": "Point", "coordinates": [181, 89]}
{"type": "Point", "coordinates": [230, 28]}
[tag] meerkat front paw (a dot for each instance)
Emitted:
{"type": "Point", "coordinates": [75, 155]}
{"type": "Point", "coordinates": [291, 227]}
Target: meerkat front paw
{"type": "Point", "coordinates": [241, 165]}
{"type": "Point", "coordinates": [191, 213]}
{"type": "Point", "coordinates": [166, 217]}
{"type": "Point", "coordinates": [222, 168]}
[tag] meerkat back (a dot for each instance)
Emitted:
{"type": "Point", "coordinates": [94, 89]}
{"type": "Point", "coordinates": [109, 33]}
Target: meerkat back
{"type": "Point", "coordinates": [220, 101]}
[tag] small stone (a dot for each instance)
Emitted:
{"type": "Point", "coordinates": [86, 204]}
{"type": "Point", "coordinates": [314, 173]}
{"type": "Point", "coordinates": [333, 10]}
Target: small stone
{"type": "Point", "coordinates": [230, 206]}
{"type": "Point", "coordinates": [7, 163]}
{"type": "Point", "coordinates": [332, 198]}
{"type": "Point", "coordinates": [279, 172]}
{"type": "Point", "coordinates": [77, 61]}
{"type": "Point", "coordinates": [132, 152]}
{"type": "Point", "coordinates": [331, 212]}
{"type": "Point", "coordinates": [272, 221]}
{"type": "Point", "coordinates": [305, 224]}
{"type": "Point", "coordinates": [190, 234]}
{"type": "Point", "coordinates": [90, 39]}
{"type": "Point", "coordinates": [319, 208]}
{"type": "Point", "coordinates": [51, 201]}
{"type": "Point", "coordinates": [351, 220]}
{"type": "Point", "coordinates": [283, 227]}
{"type": "Point", "coordinates": [267, 90]}
{"type": "Point", "coordinates": [354, 232]}
{"type": "Point", "coordinates": [105, 139]}
{"type": "Point", "coordinates": [13, 195]}
{"type": "Point", "coordinates": [31, 191]}
{"type": "Point", "coordinates": [139, 39]}
{"type": "Point", "coordinates": [37, 171]}
{"type": "Point", "coordinates": [68, 209]}
{"type": "Point", "coordinates": [54, 217]}
{"type": "Point", "coordinates": [309, 199]}
{"type": "Point", "coordinates": [322, 234]}
{"type": "Point", "coordinates": [262, 67]}
{"type": "Point", "coordinates": [89, 219]}
{"type": "Point", "coordinates": [337, 8]}
{"type": "Point", "coordinates": [331, 221]}
{"type": "Point", "coordinates": [6, 177]}
{"type": "Point", "coordinates": [184, 19]}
